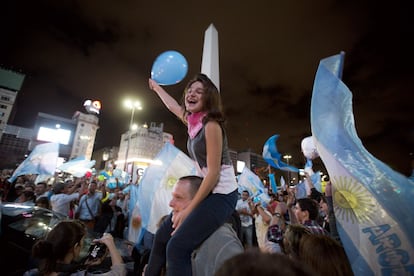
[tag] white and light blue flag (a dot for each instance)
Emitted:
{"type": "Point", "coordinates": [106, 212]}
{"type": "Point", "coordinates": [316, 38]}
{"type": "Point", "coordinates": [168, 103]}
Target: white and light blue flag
{"type": "Point", "coordinates": [272, 156]}
{"type": "Point", "coordinates": [77, 166]}
{"type": "Point", "coordinates": [272, 181]}
{"type": "Point", "coordinates": [315, 178]}
{"type": "Point", "coordinates": [249, 181]}
{"type": "Point", "coordinates": [42, 160]}
{"type": "Point", "coordinates": [373, 204]}
{"type": "Point", "coordinates": [301, 190]}
{"type": "Point", "coordinates": [154, 190]}
{"type": "Point", "coordinates": [282, 183]}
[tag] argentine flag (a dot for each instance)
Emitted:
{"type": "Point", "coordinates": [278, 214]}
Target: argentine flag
{"type": "Point", "coordinates": [273, 157]}
{"type": "Point", "coordinates": [154, 190]}
{"type": "Point", "coordinates": [77, 166]}
{"type": "Point", "coordinates": [373, 204]}
{"type": "Point", "coordinates": [249, 181]}
{"type": "Point", "coordinates": [42, 160]}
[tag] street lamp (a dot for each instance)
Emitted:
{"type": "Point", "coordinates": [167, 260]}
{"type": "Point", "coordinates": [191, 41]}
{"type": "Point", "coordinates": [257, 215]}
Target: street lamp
{"type": "Point", "coordinates": [288, 157]}
{"type": "Point", "coordinates": [133, 105]}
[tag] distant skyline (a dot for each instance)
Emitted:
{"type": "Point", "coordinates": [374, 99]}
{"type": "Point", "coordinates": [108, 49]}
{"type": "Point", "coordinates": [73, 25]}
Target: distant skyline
{"type": "Point", "coordinates": [71, 51]}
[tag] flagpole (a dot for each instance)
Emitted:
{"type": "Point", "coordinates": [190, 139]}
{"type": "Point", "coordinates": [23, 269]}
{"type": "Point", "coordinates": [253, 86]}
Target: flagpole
{"type": "Point", "coordinates": [270, 171]}
{"type": "Point", "coordinates": [287, 157]}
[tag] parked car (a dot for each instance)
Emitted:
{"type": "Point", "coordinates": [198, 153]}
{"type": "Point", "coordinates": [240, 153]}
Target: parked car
{"type": "Point", "coordinates": [22, 226]}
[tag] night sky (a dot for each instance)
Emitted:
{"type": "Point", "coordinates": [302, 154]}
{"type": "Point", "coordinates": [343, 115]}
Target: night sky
{"type": "Point", "coordinates": [71, 51]}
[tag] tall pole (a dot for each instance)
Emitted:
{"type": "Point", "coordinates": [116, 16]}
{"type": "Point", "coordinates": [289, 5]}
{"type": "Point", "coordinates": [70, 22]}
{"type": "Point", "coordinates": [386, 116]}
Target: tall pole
{"type": "Point", "coordinates": [133, 105]}
{"type": "Point", "coordinates": [287, 157]}
{"type": "Point", "coordinates": [287, 161]}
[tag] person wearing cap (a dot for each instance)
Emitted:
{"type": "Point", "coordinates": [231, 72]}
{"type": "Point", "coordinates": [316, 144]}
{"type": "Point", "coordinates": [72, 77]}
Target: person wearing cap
{"type": "Point", "coordinates": [64, 193]}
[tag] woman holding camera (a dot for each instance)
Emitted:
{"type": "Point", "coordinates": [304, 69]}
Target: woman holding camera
{"type": "Point", "coordinates": [61, 248]}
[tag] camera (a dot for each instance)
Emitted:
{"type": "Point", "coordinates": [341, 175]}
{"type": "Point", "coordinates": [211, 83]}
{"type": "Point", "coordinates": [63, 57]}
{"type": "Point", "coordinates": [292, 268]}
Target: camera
{"type": "Point", "coordinates": [96, 251]}
{"type": "Point", "coordinates": [275, 234]}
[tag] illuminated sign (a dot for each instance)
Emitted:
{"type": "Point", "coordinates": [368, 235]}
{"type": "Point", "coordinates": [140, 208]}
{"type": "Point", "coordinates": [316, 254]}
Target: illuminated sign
{"type": "Point", "coordinates": [57, 135]}
{"type": "Point", "coordinates": [93, 107]}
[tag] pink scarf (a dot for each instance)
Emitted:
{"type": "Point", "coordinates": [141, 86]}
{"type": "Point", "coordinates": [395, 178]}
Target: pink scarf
{"type": "Point", "coordinates": [195, 123]}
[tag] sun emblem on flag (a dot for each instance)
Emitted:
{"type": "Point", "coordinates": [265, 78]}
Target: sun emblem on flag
{"type": "Point", "coordinates": [171, 180]}
{"type": "Point", "coordinates": [352, 201]}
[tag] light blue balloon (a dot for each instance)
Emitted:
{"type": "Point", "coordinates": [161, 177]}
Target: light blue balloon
{"type": "Point", "coordinates": [117, 173]}
{"type": "Point", "coordinates": [111, 183]}
{"type": "Point", "coordinates": [169, 68]}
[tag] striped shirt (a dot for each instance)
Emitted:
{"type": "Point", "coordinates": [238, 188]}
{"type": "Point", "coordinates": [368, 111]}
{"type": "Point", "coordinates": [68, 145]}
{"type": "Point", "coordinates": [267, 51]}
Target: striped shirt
{"type": "Point", "coordinates": [315, 228]}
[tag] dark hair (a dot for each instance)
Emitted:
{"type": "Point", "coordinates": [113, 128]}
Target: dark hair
{"type": "Point", "coordinates": [292, 238]}
{"type": "Point", "coordinates": [43, 200]}
{"type": "Point", "coordinates": [323, 199]}
{"type": "Point", "coordinates": [44, 184]}
{"type": "Point", "coordinates": [211, 99]}
{"type": "Point", "coordinates": [195, 182]}
{"type": "Point", "coordinates": [254, 262]}
{"type": "Point", "coordinates": [59, 241]}
{"type": "Point", "coordinates": [58, 187]}
{"type": "Point", "coordinates": [29, 195]}
{"type": "Point", "coordinates": [324, 255]}
{"type": "Point", "coordinates": [310, 205]}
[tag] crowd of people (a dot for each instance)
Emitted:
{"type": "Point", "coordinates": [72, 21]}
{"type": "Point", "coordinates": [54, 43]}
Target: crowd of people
{"type": "Point", "coordinates": [101, 211]}
{"type": "Point", "coordinates": [296, 228]}
{"type": "Point", "coordinates": [212, 229]}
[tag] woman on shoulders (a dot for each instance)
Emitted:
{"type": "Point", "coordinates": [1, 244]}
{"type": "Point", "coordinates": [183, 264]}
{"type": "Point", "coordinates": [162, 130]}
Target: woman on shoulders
{"type": "Point", "coordinates": [214, 202]}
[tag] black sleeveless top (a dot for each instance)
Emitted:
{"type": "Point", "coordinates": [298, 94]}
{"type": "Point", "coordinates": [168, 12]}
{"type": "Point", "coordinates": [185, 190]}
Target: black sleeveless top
{"type": "Point", "coordinates": [198, 152]}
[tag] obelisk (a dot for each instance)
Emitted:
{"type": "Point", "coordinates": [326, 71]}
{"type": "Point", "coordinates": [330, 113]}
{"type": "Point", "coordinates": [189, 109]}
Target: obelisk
{"type": "Point", "coordinates": [210, 61]}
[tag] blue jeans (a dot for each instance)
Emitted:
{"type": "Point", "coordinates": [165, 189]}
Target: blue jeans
{"type": "Point", "coordinates": [209, 215]}
{"type": "Point", "coordinates": [247, 235]}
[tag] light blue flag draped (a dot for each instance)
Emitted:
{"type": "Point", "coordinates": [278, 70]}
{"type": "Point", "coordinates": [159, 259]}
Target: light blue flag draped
{"type": "Point", "coordinates": [373, 204]}
{"type": "Point", "coordinates": [272, 181]}
{"type": "Point", "coordinates": [42, 160]}
{"type": "Point", "coordinates": [249, 181]}
{"type": "Point", "coordinates": [308, 165]}
{"type": "Point", "coordinates": [315, 178]}
{"type": "Point", "coordinates": [282, 183]}
{"type": "Point", "coordinates": [154, 191]}
{"type": "Point", "coordinates": [273, 157]}
{"type": "Point", "coordinates": [77, 166]}
{"type": "Point", "coordinates": [301, 190]}
{"type": "Point", "coordinates": [134, 230]}
{"type": "Point", "coordinates": [316, 181]}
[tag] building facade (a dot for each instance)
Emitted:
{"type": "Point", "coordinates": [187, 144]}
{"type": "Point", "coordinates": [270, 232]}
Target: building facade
{"type": "Point", "coordinates": [84, 138]}
{"type": "Point", "coordinates": [10, 84]}
{"type": "Point", "coordinates": [105, 158]}
{"type": "Point", "coordinates": [76, 136]}
{"type": "Point", "coordinates": [51, 128]}
{"type": "Point", "coordinates": [13, 146]}
{"type": "Point", "coordinates": [140, 146]}
{"type": "Point", "coordinates": [251, 160]}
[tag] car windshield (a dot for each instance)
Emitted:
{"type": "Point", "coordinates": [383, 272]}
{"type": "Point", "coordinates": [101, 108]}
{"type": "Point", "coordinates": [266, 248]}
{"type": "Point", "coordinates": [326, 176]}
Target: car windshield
{"type": "Point", "coordinates": [36, 222]}
{"type": "Point", "coordinates": [33, 221]}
